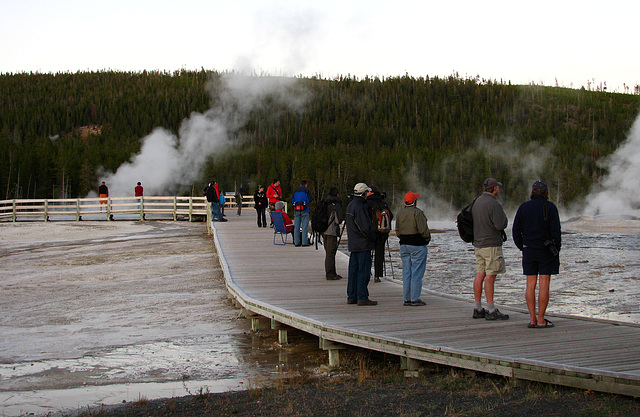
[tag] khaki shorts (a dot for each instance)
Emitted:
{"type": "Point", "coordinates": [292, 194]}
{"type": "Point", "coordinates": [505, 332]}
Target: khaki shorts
{"type": "Point", "coordinates": [490, 261]}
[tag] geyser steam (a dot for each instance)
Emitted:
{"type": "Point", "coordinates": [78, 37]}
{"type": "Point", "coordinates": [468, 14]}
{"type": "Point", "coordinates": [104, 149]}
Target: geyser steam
{"type": "Point", "coordinates": [617, 192]}
{"type": "Point", "coordinates": [166, 161]}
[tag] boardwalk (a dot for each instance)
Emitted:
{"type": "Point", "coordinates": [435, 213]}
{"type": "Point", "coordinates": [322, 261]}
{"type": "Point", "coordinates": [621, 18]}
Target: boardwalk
{"type": "Point", "coordinates": [286, 284]}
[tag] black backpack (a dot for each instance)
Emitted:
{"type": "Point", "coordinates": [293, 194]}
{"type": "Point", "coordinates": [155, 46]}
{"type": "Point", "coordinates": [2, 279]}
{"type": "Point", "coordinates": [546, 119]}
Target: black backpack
{"type": "Point", "coordinates": [465, 223]}
{"type": "Point", "coordinates": [320, 218]}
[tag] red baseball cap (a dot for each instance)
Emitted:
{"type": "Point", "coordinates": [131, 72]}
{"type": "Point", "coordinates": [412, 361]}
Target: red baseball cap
{"type": "Point", "coordinates": [410, 198]}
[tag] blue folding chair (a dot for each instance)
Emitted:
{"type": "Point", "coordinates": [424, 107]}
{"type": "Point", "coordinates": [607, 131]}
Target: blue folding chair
{"type": "Point", "coordinates": [279, 229]}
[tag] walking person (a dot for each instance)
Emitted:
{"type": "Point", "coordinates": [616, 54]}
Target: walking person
{"type": "Point", "coordinates": [361, 239]}
{"type": "Point", "coordinates": [413, 231]}
{"type": "Point", "coordinates": [261, 203]}
{"type": "Point", "coordinates": [331, 235]}
{"type": "Point", "coordinates": [489, 222]}
{"type": "Point", "coordinates": [381, 217]}
{"type": "Point", "coordinates": [239, 201]}
{"type": "Point", "coordinates": [301, 200]}
{"type": "Point", "coordinates": [536, 232]}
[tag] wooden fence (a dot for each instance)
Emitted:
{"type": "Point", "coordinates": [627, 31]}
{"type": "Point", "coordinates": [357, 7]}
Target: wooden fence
{"type": "Point", "coordinates": [78, 208]}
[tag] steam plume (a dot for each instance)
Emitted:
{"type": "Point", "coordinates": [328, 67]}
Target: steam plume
{"type": "Point", "coordinates": [166, 162]}
{"type": "Point", "coordinates": [617, 193]}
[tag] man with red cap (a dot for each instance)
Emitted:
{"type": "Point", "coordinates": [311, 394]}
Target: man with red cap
{"type": "Point", "coordinates": [414, 235]}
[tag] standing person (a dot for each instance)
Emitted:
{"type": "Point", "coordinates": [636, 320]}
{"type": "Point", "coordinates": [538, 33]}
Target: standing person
{"type": "Point", "coordinates": [361, 240]}
{"type": "Point", "coordinates": [330, 236]}
{"type": "Point", "coordinates": [103, 193]}
{"type": "Point", "coordinates": [536, 232]}
{"type": "Point", "coordinates": [274, 194]}
{"type": "Point", "coordinates": [378, 206]}
{"type": "Point", "coordinates": [489, 222]}
{"type": "Point", "coordinates": [139, 191]}
{"type": "Point", "coordinates": [301, 200]}
{"type": "Point", "coordinates": [413, 231]}
{"type": "Point", "coordinates": [212, 198]}
{"type": "Point", "coordinates": [222, 202]}
{"type": "Point", "coordinates": [239, 201]}
{"type": "Point", "coordinates": [261, 203]}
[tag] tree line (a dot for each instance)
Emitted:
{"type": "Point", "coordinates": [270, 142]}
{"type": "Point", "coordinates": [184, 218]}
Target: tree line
{"type": "Point", "coordinates": [442, 134]}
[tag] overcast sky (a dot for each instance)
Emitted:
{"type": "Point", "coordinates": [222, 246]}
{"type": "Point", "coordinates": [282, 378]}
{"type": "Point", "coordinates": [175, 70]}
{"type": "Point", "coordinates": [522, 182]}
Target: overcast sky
{"type": "Point", "coordinates": [562, 42]}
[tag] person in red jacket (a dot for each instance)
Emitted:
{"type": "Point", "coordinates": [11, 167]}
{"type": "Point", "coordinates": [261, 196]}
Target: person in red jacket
{"type": "Point", "coordinates": [288, 223]}
{"type": "Point", "coordinates": [274, 194]}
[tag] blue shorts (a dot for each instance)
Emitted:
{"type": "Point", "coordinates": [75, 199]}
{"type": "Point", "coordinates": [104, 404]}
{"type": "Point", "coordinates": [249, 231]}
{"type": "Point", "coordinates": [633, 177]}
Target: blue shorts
{"type": "Point", "coordinates": [539, 262]}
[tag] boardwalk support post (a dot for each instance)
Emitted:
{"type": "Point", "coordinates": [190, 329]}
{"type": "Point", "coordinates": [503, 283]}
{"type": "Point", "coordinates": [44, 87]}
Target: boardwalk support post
{"type": "Point", "coordinates": [282, 332]}
{"type": "Point", "coordinates": [411, 366]}
{"type": "Point", "coordinates": [334, 351]}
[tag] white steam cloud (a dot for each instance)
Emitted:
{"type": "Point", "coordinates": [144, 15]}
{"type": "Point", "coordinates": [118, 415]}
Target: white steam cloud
{"type": "Point", "coordinates": [166, 162]}
{"type": "Point", "coordinates": [617, 193]}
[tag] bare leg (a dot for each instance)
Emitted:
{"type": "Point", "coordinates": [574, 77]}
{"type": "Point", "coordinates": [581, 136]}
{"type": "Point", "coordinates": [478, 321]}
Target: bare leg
{"type": "Point", "coordinates": [543, 298]}
{"type": "Point", "coordinates": [477, 286]}
{"type": "Point", "coordinates": [488, 288]}
{"type": "Point", "coordinates": [530, 296]}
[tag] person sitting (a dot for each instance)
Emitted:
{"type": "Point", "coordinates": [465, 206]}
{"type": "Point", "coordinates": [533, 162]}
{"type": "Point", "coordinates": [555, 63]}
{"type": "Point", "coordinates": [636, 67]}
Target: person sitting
{"type": "Point", "coordinates": [288, 224]}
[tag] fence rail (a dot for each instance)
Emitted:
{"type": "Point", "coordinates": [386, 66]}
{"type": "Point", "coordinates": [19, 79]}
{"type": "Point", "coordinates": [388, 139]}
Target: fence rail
{"type": "Point", "coordinates": [76, 208]}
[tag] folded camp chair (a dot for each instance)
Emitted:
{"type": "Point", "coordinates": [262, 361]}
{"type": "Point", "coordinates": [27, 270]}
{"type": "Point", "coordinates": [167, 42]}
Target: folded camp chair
{"type": "Point", "coordinates": [279, 229]}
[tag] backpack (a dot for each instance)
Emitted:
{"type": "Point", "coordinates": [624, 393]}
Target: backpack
{"type": "Point", "coordinates": [320, 218]}
{"type": "Point", "coordinates": [382, 220]}
{"type": "Point", "coordinates": [465, 223]}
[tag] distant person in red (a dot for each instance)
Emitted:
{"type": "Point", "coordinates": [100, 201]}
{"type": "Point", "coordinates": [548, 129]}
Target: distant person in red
{"type": "Point", "coordinates": [103, 193]}
{"type": "Point", "coordinates": [139, 190]}
{"type": "Point", "coordinates": [288, 224]}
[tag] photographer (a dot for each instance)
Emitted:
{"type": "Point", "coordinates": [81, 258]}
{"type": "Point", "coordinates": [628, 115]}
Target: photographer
{"type": "Point", "coordinates": [381, 216]}
{"type": "Point", "coordinates": [536, 232]}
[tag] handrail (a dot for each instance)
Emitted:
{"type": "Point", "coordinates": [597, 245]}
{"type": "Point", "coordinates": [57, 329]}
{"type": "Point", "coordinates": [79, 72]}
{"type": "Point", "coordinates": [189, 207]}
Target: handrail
{"type": "Point", "coordinates": [76, 208]}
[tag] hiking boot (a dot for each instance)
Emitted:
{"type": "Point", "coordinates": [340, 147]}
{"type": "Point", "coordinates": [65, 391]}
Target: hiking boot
{"type": "Point", "coordinates": [367, 303]}
{"type": "Point", "coordinates": [479, 314]}
{"type": "Point", "coordinates": [407, 303]}
{"type": "Point", "coordinates": [418, 302]}
{"type": "Point", "coordinates": [376, 279]}
{"type": "Point", "coordinates": [496, 315]}
{"type": "Point", "coordinates": [352, 301]}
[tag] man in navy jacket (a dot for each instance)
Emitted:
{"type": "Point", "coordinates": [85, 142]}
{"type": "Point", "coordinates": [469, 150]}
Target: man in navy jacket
{"type": "Point", "coordinates": [361, 241]}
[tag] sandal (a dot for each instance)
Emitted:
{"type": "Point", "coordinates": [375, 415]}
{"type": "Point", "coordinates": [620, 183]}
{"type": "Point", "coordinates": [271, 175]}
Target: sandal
{"type": "Point", "coordinates": [532, 326]}
{"type": "Point", "coordinates": [547, 325]}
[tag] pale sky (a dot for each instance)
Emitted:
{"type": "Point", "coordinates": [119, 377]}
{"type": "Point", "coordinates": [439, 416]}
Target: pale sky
{"type": "Point", "coordinates": [544, 42]}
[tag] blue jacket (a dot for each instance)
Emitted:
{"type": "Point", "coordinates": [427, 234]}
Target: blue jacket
{"type": "Point", "coordinates": [360, 234]}
{"type": "Point", "coordinates": [529, 227]}
{"type": "Point", "coordinates": [301, 195]}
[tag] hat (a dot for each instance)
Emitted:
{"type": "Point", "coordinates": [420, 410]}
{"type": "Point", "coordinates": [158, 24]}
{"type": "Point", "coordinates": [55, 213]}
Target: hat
{"type": "Point", "coordinates": [279, 205]}
{"type": "Point", "coordinates": [103, 182]}
{"type": "Point", "coordinates": [540, 185]}
{"type": "Point", "coordinates": [489, 183]}
{"type": "Point", "coordinates": [361, 188]}
{"type": "Point", "coordinates": [139, 183]}
{"type": "Point", "coordinates": [374, 189]}
{"type": "Point", "coordinates": [410, 198]}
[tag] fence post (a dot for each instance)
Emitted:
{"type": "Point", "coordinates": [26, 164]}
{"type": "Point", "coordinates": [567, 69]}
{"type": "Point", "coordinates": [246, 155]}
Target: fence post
{"type": "Point", "coordinates": [109, 208]}
{"type": "Point", "coordinates": [46, 210]}
{"type": "Point", "coordinates": [141, 207]}
{"type": "Point", "coordinates": [15, 217]}
{"type": "Point", "coordinates": [78, 216]}
{"type": "Point", "coordinates": [191, 208]}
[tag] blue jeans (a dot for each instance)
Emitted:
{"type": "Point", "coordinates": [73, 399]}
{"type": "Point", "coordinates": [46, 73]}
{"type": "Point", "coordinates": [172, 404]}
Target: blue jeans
{"type": "Point", "coordinates": [414, 263]}
{"type": "Point", "coordinates": [215, 211]}
{"type": "Point", "coordinates": [359, 275]}
{"type": "Point", "coordinates": [301, 221]}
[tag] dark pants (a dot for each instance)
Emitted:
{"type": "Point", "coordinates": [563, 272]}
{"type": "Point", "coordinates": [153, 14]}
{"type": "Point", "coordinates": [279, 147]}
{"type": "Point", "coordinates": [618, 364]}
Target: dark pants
{"type": "Point", "coordinates": [262, 218]}
{"type": "Point", "coordinates": [330, 248]}
{"type": "Point", "coordinates": [359, 275]}
{"type": "Point", "coordinates": [378, 258]}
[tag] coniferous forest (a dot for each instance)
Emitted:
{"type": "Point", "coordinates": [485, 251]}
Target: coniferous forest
{"type": "Point", "coordinates": [441, 135]}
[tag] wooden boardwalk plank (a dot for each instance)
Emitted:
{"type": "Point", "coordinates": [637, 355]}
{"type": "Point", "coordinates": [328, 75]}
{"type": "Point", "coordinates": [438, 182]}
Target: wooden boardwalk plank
{"type": "Point", "coordinates": [287, 283]}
